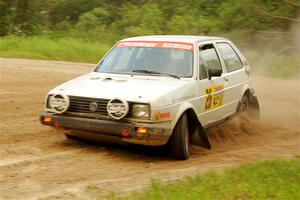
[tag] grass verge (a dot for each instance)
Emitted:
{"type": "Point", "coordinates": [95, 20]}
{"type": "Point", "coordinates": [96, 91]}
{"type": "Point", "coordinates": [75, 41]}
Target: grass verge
{"type": "Point", "coordinates": [52, 48]}
{"type": "Point", "coordinates": [276, 179]}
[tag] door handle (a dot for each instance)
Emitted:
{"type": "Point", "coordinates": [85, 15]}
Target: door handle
{"type": "Point", "coordinates": [226, 79]}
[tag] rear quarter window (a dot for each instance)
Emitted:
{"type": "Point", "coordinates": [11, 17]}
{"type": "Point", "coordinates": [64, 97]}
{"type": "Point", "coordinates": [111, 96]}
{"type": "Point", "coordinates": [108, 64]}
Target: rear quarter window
{"type": "Point", "coordinates": [230, 57]}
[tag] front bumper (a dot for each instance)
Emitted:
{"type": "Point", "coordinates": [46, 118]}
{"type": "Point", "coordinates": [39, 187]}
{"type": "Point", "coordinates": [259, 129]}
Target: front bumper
{"type": "Point", "coordinates": [88, 128]}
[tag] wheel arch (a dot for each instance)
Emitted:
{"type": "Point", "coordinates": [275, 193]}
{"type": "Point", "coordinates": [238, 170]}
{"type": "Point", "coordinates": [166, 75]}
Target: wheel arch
{"type": "Point", "coordinates": [194, 125]}
{"type": "Point", "coordinates": [248, 91]}
{"type": "Point", "coordinates": [181, 111]}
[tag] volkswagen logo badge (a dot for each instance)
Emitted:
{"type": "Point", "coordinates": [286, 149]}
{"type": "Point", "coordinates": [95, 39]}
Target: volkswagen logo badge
{"type": "Point", "coordinates": [93, 106]}
{"type": "Point", "coordinates": [117, 108]}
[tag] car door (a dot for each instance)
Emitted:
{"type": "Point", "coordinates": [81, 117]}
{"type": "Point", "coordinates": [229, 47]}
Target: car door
{"type": "Point", "coordinates": [211, 90]}
{"type": "Point", "coordinates": [235, 74]}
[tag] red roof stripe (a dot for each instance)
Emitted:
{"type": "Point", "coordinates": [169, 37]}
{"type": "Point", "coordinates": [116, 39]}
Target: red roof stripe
{"type": "Point", "coordinates": [156, 44]}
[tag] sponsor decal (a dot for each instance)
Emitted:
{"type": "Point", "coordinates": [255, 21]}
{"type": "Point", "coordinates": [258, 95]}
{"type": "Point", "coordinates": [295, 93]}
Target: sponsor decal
{"type": "Point", "coordinates": [160, 44]}
{"type": "Point", "coordinates": [214, 98]}
{"type": "Point", "coordinates": [59, 103]}
{"type": "Point", "coordinates": [136, 44]}
{"type": "Point", "coordinates": [117, 108]}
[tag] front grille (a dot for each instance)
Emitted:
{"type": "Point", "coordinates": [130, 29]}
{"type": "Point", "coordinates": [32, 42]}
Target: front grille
{"type": "Point", "coordinates": [82, 105]}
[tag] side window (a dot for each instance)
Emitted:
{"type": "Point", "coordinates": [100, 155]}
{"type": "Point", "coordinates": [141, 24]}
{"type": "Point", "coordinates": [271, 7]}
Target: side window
{"type": "Point", "coordinates": [231, 59]}
{"type": "Point", "coordinates": [208, 59]}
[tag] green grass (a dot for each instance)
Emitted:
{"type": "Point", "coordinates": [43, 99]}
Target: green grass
{"type": "Point", "coordinates": [277, 179]}
{"type": "Point", "coordinates": [52, 48]}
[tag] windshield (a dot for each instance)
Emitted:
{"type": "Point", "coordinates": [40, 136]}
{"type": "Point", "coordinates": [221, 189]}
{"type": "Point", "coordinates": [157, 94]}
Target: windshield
{"type": "Point", "coordinates": [146, 58]}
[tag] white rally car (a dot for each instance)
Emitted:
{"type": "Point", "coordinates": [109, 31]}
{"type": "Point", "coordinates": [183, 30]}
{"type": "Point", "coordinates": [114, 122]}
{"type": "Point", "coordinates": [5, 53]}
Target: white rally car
{"type": "Point", "coordinates": [154, 90]}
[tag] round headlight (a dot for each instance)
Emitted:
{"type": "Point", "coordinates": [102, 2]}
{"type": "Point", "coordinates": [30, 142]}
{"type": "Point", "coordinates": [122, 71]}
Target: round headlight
{"type": "Point", "coordinates": [141, 110]}
{"type": "Point", "coordinates": [59, 103]}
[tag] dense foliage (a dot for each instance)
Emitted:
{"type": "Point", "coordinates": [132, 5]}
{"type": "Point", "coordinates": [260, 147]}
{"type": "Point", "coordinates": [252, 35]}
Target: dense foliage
{"type": "Point", "coordinates": [110, 20]}
{"type": "Point", "coordinates": [83, 30]}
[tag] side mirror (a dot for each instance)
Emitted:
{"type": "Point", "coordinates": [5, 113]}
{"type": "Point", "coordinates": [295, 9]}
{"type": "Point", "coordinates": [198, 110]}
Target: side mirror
{"type": "Point", "coordinates": [214, 72]}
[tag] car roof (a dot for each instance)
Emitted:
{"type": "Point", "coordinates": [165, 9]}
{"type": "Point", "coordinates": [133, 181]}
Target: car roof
{"type": "Point", "coordinates": [174, 38]}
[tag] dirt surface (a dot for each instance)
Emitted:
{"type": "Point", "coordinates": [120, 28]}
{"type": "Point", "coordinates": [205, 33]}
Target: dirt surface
{"type": "Point", "coordinates": [38, 163]}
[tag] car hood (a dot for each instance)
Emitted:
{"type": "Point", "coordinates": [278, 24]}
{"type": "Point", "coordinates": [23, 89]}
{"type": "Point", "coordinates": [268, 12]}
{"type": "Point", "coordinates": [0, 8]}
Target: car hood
{"type": "Point", "coordinates": [131, 88]}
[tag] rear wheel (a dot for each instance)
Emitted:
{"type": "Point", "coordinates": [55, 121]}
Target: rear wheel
{"type": "Point", "coordinates": [249, 107]}
{"type": "Point", "coordinates": [244, 105]}
{"type": "Point", "coordinates": [180, 145]}
{"type": "Point", "coordinates": [254, 111]}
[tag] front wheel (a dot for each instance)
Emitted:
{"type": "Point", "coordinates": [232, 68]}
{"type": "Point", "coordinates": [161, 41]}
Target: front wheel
{"type": "Point", "coordinates": [180, 141]}
{"type": "Point", "coordinates": [71, 137]}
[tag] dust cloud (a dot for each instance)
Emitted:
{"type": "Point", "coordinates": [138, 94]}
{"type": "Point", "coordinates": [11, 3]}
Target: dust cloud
{"type": "Point", "coordinates": [274, 53]}
{"type": "Point", "coordinates": [274, 58]}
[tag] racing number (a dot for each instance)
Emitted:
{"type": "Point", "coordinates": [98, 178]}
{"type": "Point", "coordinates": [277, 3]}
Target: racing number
{"type": "Point", "coordinates": [214, 98]}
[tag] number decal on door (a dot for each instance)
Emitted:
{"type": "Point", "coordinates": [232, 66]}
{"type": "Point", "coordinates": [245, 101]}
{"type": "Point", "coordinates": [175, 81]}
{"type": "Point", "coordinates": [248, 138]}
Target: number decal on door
{"type": "Point", "coordinates": [214, 98]}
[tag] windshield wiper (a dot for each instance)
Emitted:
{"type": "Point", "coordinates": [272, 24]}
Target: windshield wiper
{"type": "Point", "coordinates": [154, 72]}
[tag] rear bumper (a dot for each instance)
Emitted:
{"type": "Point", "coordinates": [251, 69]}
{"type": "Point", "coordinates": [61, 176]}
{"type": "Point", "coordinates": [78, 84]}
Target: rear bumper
{"type": "Point", "coordinates": [87, 128]}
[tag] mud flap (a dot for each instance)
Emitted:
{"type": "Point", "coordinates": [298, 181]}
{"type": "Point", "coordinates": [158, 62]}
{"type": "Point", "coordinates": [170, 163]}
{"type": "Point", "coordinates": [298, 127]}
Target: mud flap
{"type": "Point", "coordinates": [254, 109]}
{"type": "Point", "coordinates": [200, 138]}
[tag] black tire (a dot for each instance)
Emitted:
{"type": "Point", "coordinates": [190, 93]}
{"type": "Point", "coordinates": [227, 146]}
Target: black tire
{"type": "Point", "coordinates": [249, 107]}
{"type": "Point", "coordinates": [180, 146]}
{"type": "Point", "coordinates": [71, 137]}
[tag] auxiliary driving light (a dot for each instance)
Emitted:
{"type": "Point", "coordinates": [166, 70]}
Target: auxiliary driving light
{"type": "Point", "coordinates": [47, 119]}
{"type": "Point", "coordinates": [141, 130]}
